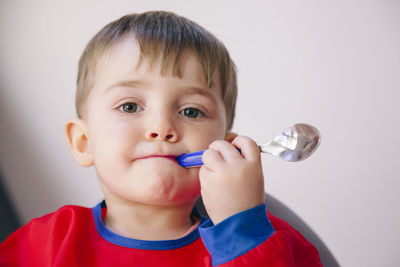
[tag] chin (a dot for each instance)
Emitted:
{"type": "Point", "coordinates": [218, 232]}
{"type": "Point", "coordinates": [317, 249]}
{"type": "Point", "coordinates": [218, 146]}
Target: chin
{"type": "Point", "coordinates": [164, 181]}
{"type": "Point", "coordinates": [168, 188]}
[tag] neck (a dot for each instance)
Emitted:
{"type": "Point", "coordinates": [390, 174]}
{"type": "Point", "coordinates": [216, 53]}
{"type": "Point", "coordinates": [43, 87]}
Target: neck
{"type": "Point", "coordinates": [148, 222]}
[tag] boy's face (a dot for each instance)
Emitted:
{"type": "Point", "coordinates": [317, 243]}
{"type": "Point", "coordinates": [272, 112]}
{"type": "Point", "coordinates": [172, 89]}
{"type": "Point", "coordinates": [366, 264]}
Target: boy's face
{"type": "Point", "coordinates": [138, 121]}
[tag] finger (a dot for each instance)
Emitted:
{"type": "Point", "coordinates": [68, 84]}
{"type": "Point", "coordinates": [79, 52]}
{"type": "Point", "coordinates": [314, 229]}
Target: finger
{"type": "Point", "coordinates": [212, 159]}
{"type": "Point", "coordinates": [227, 151]}
{"type": "Point", "coordinates": [230, 136]}
{"type": "Point", "coordinates": [248, 147]}
{"type": "Point", "coordinates": [204, 172]}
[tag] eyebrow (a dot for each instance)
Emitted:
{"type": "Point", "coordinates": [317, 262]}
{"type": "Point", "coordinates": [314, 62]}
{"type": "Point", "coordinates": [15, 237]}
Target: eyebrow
{"type": "Point", "coordinates": [188, 90]}
{"type": "Point", "coordinates": [128, 83]}
{"type": "Point", "coordinates": [200, 91]}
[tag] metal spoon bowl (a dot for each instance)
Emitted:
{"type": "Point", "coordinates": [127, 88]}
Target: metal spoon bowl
{"type": "Point", "coordinates": [296, 143]}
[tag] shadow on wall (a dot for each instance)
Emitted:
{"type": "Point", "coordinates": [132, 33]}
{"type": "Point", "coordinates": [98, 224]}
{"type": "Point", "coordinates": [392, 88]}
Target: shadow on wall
{"type": "Point", "coordinates": [8, 218]}
{"type": "Point", "coordinates": [26, 175]}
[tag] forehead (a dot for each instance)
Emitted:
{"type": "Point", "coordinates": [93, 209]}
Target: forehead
{"type": "Point", "coordinates": [124, 60]}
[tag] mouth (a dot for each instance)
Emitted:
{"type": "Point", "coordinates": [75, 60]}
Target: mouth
{"type": "Point", "coordinates": [169, 157]}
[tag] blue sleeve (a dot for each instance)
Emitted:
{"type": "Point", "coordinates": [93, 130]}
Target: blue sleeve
{"type": "Point", "coordinates": [236, 235]}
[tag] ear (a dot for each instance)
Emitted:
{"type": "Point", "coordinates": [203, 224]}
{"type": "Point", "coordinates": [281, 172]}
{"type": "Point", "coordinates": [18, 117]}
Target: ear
{"type": "Point", "coordinates": [77, 137]}
{"type": "Point", "coordinates": [230, 136]}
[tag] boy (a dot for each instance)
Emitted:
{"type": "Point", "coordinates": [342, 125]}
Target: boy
{"type": "Point", "coordinates": [151, 87]}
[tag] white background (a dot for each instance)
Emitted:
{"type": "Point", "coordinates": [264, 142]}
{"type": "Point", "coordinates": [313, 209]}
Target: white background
{"type": "Point", "coordinates": [333, 64]}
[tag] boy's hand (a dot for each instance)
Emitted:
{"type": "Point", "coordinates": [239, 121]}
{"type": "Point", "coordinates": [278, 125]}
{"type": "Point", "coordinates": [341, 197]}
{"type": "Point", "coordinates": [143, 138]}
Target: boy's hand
{"type": "Point", "coordinates": [231, 182]}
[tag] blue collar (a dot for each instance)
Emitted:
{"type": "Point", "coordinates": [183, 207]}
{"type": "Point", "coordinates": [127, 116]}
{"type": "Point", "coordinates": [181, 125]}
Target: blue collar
{"type": "Point", "coordinates": [141, 244]}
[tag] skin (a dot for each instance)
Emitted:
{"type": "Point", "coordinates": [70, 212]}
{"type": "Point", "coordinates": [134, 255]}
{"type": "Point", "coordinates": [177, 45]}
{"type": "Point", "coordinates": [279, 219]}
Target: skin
{"type": "Point", "coordinates": [137, 121]}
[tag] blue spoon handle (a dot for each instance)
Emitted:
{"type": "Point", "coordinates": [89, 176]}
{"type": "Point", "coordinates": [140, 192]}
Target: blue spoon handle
{"type": "Point", "coordinates": [191, 159]}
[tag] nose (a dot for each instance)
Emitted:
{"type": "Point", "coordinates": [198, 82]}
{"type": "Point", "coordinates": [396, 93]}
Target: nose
{"type": "Point", "coordinates": [163, 130]}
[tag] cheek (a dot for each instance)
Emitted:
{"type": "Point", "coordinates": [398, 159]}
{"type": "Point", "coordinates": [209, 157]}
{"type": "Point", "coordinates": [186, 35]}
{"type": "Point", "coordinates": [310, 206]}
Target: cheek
{"type": "Point", "coordinates": [202, 138]}
{"type": "Point", "coordinates": [110, 139]}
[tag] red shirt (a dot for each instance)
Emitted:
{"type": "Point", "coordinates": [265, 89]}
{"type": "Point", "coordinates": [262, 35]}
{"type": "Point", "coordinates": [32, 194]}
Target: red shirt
{"type": "Point", "coordinates": [76, 236]}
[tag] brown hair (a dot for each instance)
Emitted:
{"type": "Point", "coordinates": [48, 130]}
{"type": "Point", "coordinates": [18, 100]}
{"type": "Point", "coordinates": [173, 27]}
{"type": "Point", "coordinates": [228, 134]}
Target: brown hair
{"type": "Point", "coordinates": [164, 34]}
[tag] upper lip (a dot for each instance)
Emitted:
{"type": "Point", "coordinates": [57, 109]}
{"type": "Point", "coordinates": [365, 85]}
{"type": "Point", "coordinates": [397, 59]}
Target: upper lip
{"type": "Point", "coordinates": [159, 155]}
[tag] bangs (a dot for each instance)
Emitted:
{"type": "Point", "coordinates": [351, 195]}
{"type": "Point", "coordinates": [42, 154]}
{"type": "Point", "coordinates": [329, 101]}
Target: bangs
{"type": "Point", "coordinates": [165, 35]}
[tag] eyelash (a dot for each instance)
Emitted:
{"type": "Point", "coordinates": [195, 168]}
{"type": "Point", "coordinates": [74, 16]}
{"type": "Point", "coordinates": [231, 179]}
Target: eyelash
{"type": "Point", "coordinates": [125, 105]}
{"type": "Point", "coordinates": [124, 108]}
{"type": "Point", "coordinates": [199, 113]}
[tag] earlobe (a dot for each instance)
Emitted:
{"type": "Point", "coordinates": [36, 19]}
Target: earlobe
{"type": "Point", "coordinates": [230, 136]}
{"type": "Point", "coordinates": [77, 137]}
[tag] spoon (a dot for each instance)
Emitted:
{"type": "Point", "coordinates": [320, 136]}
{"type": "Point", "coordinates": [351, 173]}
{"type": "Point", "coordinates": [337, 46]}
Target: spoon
{"type": "Point", "coordinates": [296, 143]}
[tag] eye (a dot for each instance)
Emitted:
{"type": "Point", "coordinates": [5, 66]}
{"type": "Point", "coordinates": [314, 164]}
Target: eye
{"type": "Point", "coordinates": [192, 113]}
{"type": "Point", "coordinates": [129, 107]}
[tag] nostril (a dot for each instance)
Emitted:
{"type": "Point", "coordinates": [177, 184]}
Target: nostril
{"type": "Point", "coordinates": [153, 135]}
{"type": "Point", "coordinates": [169, 136]}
